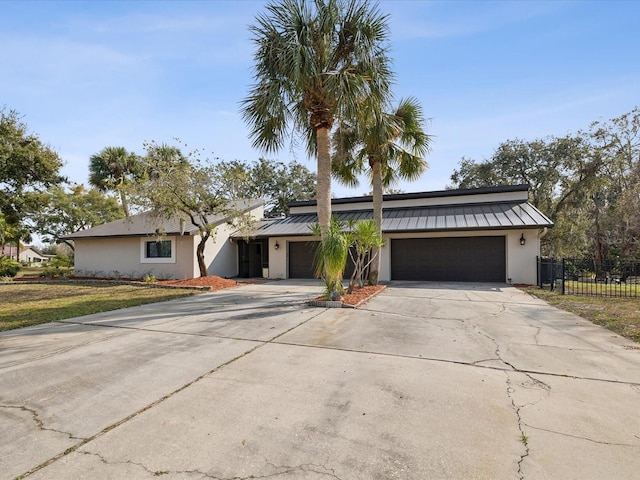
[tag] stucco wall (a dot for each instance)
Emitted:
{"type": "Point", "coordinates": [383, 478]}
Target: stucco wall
{"type": "Point", "coordinates": [520, 261]}
{"type": "Point", "coordinates": [221, 255]}
{"type": "Point", "coordinates": [102, 257]}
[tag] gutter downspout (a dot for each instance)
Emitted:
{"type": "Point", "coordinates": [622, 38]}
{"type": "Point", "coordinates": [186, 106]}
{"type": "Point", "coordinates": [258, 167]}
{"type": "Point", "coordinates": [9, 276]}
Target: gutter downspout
{"type": "Point", "coordinates": [543, 232]}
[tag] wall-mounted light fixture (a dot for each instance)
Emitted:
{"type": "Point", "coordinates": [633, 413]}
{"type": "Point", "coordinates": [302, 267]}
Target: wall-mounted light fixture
{"type": "Point", "coordinates": [277, 245]}
{"type": "Point", "coordinates": [522, 240]}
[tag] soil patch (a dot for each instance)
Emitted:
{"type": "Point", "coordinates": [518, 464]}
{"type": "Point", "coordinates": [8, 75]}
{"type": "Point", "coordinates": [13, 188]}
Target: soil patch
{"type": "Point", "coordinates": [212, 281]}
{"type": "Point", "coordinates": [359, 296]}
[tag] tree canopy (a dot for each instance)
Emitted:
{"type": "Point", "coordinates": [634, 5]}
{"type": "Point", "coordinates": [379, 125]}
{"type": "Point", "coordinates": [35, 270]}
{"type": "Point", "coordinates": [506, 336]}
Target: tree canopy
{"type": "Point", "coordinates": [27, 165]}
{"type": "Point", "coordinates": [113, 169]}
{"type": "Point", "coordinates": [588, 183]}
{"type": "Point", "coordinates": [67, 210]}
{"type": "Point", "coordinates": [277, 183]}
{"type": "Point", "coordinates": [174, 185]}
{"type": "Point", "coordinates": [315, 62]}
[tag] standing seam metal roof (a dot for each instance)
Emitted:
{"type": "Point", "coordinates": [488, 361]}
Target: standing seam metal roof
{"type": "Point", "coordinates": [490, 216]}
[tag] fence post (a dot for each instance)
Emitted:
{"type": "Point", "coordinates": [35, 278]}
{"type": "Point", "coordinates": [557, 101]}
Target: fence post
{"type": "Point", "coordinates": [563, 275]}
{"type": "Point", "coordinates": [538, 273]}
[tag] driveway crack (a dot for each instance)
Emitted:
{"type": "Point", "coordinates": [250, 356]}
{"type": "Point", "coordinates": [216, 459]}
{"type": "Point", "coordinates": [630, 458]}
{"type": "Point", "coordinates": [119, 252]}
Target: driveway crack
{"type": "Point", "coordinates": [84, 441]}
{"type": "Point", "coordinates": [39, 423]}
{"type": "Point", "coordinates": [523, 436]}
{"type": "Point", "coordinates": [587, 439]}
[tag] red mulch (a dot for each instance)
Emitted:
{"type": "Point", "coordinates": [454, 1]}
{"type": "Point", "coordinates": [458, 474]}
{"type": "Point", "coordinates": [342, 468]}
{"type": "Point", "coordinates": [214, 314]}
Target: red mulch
{"type": "Point", "coordinates": [359, 294]}
{"type": "Point", "coordinates": [213, 282]}
{"type": "Point", "coordinates": [217, 283]}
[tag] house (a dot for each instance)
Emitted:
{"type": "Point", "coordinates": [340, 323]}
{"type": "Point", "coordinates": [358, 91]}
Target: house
{"type": "Point", "coordinates": [27, 254]}
{"type": "Point", "coordinates": [473, 235]}
{"type": "Point", "coordinates": [32, 255]}
{"type": "Point", "coordinates": [138, 245]}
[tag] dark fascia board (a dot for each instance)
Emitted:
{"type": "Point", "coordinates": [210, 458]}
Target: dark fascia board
{"type": "Point", "coordinates": [415, 195]}
{"type": "Point", "coordinates": [435, 230]}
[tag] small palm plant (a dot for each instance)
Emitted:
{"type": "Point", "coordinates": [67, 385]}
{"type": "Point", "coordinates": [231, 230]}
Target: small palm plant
{"type": "Point", "coordinates": [331, 258]}
{"type": "Point", "coordinates": [366, 240]}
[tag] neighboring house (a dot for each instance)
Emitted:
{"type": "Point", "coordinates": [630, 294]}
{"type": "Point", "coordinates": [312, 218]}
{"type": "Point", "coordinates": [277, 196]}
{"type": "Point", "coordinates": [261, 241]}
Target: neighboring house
{"type": "Point", "coordinates": [27, 254]}
{"type": "Point", "coordinates": [474, 235]}
{"type": "Point", "coordinates": [138, 245]}
{"type": "Point", "coordinates": [32, 255]}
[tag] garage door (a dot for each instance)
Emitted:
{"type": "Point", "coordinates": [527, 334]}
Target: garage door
{"type": "Point", "coordinates": [301, 258]}
{"type": "Point", "coordinates": [454, 259]}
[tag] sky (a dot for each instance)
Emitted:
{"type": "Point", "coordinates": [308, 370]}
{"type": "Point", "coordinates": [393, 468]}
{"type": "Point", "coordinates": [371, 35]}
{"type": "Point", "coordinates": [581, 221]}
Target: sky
{"type": "Point", "coordinates": [87, 75]}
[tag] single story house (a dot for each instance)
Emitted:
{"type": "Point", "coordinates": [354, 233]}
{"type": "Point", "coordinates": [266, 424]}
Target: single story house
{"type": "Point", "coordinates": [139, 245]}
{"type": "Point", "coordinates": [26, 254]}
{"type": "Point", "coordinates": [487, 234]}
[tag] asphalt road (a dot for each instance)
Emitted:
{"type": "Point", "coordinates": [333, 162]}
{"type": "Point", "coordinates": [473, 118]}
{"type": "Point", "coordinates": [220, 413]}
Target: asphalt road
{"type": "Point", "coordinates": [426, 381]}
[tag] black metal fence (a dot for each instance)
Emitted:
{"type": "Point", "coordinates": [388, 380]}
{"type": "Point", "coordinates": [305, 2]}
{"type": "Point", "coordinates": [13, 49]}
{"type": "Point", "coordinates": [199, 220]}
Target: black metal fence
{"type": "Point", "coordinates": [586, 276]}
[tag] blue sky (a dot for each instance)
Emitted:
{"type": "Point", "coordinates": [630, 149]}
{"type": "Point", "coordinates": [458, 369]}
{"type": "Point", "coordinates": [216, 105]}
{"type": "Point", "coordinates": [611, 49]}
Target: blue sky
{"type": "Point", "coordinates": [86, 75]}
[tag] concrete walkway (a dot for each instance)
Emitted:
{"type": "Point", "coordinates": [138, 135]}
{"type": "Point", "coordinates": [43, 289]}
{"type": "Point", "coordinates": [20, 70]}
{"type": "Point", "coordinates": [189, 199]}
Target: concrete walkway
{"type": "Point", "coordinates": [426, 381]}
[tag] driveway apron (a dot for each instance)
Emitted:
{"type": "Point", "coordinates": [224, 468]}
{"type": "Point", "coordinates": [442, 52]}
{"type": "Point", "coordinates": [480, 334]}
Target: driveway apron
{"type": "Point", "coordinates": [425, 381]}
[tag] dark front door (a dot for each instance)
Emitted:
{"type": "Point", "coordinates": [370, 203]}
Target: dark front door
{"type": "Point", "coordinates": [251, 257]}
{"type": "Point", "coordinates": [452, 259]}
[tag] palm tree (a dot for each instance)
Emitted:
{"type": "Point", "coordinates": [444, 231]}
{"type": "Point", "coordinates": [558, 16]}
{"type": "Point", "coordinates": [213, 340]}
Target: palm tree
{"type": "Point", "coordinates": [111, 169]}
{"type": "Point", "coordinates": [389, 146]}
{"type": "Point", "coordinates": [315, 61]}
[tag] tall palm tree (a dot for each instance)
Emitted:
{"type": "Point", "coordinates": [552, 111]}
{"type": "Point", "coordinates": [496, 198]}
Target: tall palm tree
{"type": "Point", "coordinates": [390, 146]}
{"type": "Point", "coordinates": [315, 61]}
{"type": "Point", "coordinates": [111, 169]}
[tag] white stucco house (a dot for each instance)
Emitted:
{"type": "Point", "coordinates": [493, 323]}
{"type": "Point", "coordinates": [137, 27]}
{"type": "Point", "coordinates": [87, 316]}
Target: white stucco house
{"type": "Point", "coordinates": [477, 235]}
{"type": "Point", "coordinates": [26, 253]}
{"type": "Point", "coordinates": [141, 245]}
{"type": "Point", "coordinates": [473, 235]}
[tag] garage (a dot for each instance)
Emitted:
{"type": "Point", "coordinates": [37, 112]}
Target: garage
{"type": "Point", "coordinates": [301, 258]}
{"type": "Point", "coordinates": [449, 259]}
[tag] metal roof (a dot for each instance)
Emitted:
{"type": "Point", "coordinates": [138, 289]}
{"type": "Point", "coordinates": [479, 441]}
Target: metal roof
{"type": "Point", "coordinates": [473, 216]}
{"type": "Point", "coordinates": [145, 224]}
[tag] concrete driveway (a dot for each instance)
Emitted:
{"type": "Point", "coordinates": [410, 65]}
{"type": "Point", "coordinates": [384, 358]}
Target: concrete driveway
{"type": "Point", "coordinates": [426, 381]}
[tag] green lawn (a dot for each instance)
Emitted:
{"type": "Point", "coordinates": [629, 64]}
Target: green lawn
{"type": "Point", "coordinates": [22, 305]}
{"type": "Point", "coordinates": [621, 315]}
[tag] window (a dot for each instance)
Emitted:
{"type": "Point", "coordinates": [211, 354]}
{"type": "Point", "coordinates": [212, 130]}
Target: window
{"type": "Point", "coordinates": [153, 250]}
{"type": "Point", "coordinates": [158, 249]}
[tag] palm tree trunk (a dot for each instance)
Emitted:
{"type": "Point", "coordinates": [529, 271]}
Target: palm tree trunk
{"type": "Point", "coordinates": [323, 194]}
{"type": "Point", "coordinates": [376, 181]}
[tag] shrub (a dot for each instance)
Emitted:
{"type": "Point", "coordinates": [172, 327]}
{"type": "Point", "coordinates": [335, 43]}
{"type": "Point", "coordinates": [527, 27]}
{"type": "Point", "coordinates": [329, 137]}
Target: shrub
{"type": "Point", "coordinates": [8, 268]}
{"type": "Point", "coordinates": [61, 260]}
{"type": "Point", "coordinates": [149, 278]}
{"type": "Point", "coordinates": [57, 271]}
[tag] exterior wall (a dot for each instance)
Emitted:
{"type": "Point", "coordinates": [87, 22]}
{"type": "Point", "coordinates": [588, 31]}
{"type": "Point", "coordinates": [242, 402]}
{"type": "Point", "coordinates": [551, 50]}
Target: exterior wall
{"type": "Point", "coordinates": [29, 255]}
{"type": "Point", "coordinates": [220, 254]}
{"type": "Point", "coordinates": [520, 261]}
{"type": "Point", "coordinates": [278, 267]}
{"type": "Point", "coordinates": [421, 202]}
{"type": "Point", "coordinates": [102, 257]}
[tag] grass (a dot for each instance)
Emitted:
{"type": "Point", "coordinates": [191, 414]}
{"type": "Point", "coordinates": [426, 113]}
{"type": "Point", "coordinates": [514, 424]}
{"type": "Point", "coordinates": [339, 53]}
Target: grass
{"type": "Point", "coordinates": [620, 315]}
{"type": "Point", "coordinates": [599, 288]}
{"type": "Point", "coordinates": [22, 305]}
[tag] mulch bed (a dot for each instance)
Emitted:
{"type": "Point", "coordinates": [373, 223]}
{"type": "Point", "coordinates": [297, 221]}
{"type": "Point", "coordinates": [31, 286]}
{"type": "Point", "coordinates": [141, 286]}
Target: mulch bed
{"type": "Point", "coordinates": [359, 296]}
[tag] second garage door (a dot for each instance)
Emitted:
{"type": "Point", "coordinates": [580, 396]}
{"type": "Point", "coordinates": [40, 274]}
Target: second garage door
{"type": "Point", "coordinates": [452, 259]}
